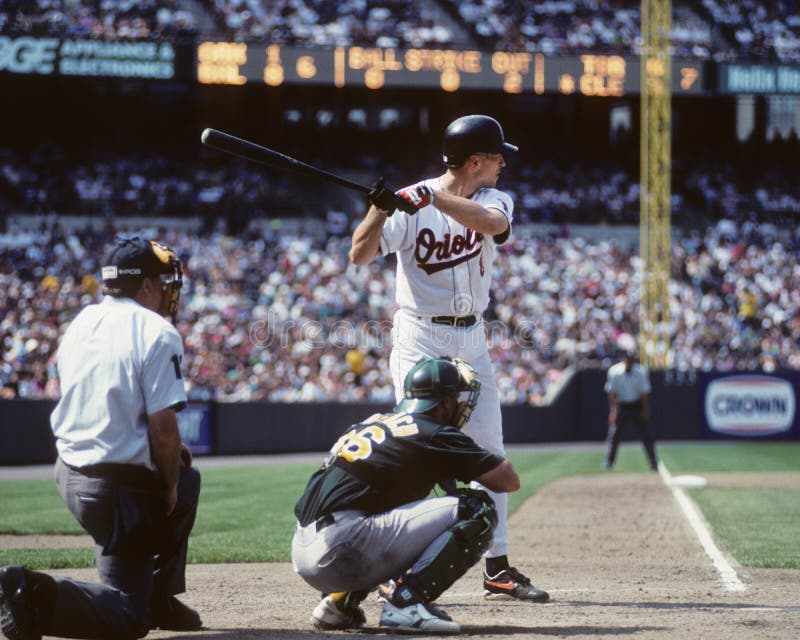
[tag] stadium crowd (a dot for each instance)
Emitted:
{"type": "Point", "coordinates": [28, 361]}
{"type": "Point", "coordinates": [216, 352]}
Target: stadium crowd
{"type": "Point", "coordinates": [704, 29]}
{"type": "Point", "coordinates": [386, 23]}
{"type": "Point", "coordinates": [103, 20]}
{"type": "Point", "coordinates": [579, 190]}
{"type": "Point", "coordinates": [49, 179]}
{"type": "Point", "coordinates": [578, 26]}
{"type": "Point", "coordinates": [268, 315]}
{"type": "Point", "coordinates": [758, 29]}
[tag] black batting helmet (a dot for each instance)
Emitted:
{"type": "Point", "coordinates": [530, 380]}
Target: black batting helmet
{"type": "Point", "coordinates": [431, 380]}
{"type": "Point", "coordinates": [473, 134]}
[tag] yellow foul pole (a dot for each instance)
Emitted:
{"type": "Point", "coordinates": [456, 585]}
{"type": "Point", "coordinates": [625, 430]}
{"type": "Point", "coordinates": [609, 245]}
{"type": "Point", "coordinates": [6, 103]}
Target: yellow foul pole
{"type": "Point", "coordinates": [656, 172]}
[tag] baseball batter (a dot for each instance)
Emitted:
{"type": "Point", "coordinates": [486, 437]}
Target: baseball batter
{"type": "Point", "coordinates": [445, 251]}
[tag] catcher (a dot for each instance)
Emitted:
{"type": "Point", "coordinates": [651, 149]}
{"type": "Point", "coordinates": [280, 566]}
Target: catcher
{"type": "Point", "coordinates": [365, 518]}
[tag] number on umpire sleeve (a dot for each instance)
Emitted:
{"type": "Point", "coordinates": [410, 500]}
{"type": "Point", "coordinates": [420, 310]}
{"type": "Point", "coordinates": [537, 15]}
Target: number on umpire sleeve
{"type": "Point", "coordinates": [176, 362]}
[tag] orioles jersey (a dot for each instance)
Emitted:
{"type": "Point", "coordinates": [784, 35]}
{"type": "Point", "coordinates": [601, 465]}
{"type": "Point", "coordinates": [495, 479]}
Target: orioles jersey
{"type": "Point", "coordinates": [390, 460]}
{"type": "Point", "coordinates": [444, 268]}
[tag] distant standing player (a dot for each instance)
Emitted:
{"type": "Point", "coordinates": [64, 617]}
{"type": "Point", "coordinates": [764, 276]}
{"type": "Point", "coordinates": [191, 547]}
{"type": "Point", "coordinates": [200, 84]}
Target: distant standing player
{"type": "Point", "coordinates": [444, 270]}
{"type": "Point", "coordinates": [628, 389]}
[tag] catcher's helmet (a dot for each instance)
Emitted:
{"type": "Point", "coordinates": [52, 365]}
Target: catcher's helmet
{"type": "Point", "coordinates": [432, 379]}
{"type": "Point", "coordinates": [473, 134]}
{"type": "Point", "coordinates": [131, 259]}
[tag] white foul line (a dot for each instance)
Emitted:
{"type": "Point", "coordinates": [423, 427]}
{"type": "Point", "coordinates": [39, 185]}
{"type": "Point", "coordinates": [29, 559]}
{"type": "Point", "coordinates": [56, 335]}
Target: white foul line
{"type": "Point", "coordinates": [729, 578]}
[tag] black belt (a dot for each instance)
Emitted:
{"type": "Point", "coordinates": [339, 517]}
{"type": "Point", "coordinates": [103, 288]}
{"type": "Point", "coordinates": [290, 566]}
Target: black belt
{"type": "Point", "coordinates": [324, 521]}
{"type": "Point", "coordinates": [455, 321]}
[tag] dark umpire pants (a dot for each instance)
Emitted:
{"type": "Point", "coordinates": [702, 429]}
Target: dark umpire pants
{"type": "Point", "coordinates": [140, 552]}
{"type": "Point", "coordinates": [629, 418]}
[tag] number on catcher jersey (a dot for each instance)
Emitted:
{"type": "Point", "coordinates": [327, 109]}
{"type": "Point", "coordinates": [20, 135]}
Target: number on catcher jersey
{"type": "Point", "coordinates": [356, 444]}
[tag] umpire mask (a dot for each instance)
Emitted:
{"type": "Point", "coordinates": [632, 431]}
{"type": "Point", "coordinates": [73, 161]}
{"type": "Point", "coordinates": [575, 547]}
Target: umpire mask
{"type": "Point", "coordinates": [171, 280]}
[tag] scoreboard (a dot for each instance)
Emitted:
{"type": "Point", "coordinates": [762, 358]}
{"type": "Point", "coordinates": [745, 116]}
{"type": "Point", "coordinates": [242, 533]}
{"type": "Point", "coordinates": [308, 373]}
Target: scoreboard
{"type": "Point", "coordinates": [214, 62]}
{"type": "Point", "coordinates": [446, 69]}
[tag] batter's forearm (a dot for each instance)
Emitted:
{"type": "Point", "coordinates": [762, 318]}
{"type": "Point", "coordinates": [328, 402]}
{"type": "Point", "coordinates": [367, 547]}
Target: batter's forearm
{"type": "Point", "coordinates": [367, 237]}
{"type": "Point", "coordinates": [489, 222]}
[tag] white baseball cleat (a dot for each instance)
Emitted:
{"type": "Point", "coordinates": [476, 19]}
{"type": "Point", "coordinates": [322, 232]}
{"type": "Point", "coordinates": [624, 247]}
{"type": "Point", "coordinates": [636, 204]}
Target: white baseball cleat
{"type": "Point", "coordinates": [415, 618]}
{"type": "Point", "coordinates": [328, 616]}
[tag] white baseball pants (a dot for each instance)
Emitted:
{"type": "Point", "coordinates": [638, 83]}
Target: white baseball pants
{"type": "Point", "coordinates": [415, 338]}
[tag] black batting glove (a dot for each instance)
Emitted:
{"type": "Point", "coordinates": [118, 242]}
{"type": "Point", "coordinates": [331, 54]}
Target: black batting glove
{"type": "Point", "coordinates": [382, 198]}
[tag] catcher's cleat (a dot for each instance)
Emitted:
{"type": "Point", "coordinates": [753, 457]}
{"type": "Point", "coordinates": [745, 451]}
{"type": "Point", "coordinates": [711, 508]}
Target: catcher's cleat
{"type": "Point", "coordinates": [415, 618]}
{"type": "Point", "coordinates": [386, 589]}
{"type": "Point", "coordinates": [172, 615]}
{"type": "Point", "coordinates": [18, 616]}
{"type": "Point", "coordinates": [511, 584]}
{"type": "Point", "coordinates": [338, 611]}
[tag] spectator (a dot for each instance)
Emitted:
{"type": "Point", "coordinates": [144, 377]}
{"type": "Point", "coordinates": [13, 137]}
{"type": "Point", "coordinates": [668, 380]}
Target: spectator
{"type": "Point", "coordinates": [560, 301]}
{"type": "Point", "coordinates": [704, 29]}
{"type": "Point", "coordinates": [118, 20]}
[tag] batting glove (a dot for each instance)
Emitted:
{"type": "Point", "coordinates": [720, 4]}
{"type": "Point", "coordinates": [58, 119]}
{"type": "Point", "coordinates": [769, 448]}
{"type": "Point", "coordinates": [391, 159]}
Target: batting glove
{"type": "Point", "coordinates": [383, 198]}
{"type": "Point", "coordinates": [416, 197]}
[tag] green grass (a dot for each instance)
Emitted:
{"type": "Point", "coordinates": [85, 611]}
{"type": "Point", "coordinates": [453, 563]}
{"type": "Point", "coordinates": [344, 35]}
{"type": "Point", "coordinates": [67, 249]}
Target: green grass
{"type": "Point", "coordinates": [537, 468]}
{"type": "Point", "coordinates": [760, 527]}
{"type": "Point", "coordinates": [48, 558]}
{"type": "Point", "coordinates": [33, 506]}
{"type": "Point", "coordinates": [731, 456]}
{"type": "Point", "coordinates": [245, 513]}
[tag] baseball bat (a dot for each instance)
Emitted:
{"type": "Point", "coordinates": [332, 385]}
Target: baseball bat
{"type": "Point", "coordinates": [255, 152]}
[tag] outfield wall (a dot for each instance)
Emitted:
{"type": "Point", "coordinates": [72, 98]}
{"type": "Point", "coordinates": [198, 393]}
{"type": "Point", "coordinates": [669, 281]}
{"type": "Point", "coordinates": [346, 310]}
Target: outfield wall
{"type": "Point", "coordinates": [684, 406]}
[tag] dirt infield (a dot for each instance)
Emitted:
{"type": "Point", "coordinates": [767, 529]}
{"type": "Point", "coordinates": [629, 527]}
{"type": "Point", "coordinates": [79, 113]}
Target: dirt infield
{"type": "Point", "coordinates": [614, 550]}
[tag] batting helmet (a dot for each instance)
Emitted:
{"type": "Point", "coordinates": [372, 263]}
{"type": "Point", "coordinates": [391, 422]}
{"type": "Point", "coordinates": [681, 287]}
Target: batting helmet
{"type": "Point", "coordinates": [473, 134]}
{"type": "Point", "coordinates": [433, 379]}
{"type": "Point", "coordinates": [131, 259]}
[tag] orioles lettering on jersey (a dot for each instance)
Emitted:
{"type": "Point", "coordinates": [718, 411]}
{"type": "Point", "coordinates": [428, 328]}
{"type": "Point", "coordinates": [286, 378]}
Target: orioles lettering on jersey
{"type": "Point", "coordinates": [448, 252]}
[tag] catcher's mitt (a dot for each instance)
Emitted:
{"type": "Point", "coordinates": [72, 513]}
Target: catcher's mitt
{"type": "Point", "coordinates": [475, 503]}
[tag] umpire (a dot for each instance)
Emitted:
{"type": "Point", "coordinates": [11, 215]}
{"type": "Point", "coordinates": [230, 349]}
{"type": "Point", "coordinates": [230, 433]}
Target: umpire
{"type": "Point", "coordinates": [122, 469]}
{"type": "Point", "coordinates": [365, 517]}
{"type": "Point", "coordinates": [628, 389]}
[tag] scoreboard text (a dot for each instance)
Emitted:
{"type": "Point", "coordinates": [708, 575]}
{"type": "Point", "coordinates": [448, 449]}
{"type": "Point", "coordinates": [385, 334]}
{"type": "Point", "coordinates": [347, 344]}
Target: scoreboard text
{"type": "Point", "coordinates": [446, 69]}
